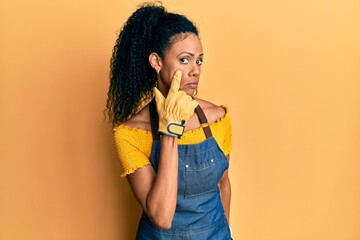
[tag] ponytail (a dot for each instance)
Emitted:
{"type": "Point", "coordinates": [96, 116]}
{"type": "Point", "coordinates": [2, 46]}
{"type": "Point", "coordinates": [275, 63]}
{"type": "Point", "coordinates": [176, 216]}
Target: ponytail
{"type": "Point", "coordinates": [148, 29]}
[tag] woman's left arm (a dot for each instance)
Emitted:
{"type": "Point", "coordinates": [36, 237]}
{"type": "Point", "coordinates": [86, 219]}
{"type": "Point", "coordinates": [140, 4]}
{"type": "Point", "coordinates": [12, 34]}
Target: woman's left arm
{"type": "Point", "coordinates": [225, 192]}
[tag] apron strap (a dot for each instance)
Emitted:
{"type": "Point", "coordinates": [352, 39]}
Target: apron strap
{"type": "Point", "coordinates": [154, 120]}
{"type": "Point", "coordinates": [203, 120]}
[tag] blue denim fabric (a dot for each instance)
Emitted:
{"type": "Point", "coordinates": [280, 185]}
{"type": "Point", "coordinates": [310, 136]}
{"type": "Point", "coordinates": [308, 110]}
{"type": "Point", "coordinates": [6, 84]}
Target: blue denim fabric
{"type": "Point", "coordinates": [199, 213]}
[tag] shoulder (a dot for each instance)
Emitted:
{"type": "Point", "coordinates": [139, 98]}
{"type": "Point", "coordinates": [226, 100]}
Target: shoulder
{"type": "Point", "coordinates": [133, 137]}
{"type": "Point", "coordinates": [212, 111]}
{"type": "Point", "coordinates": [141, 120]}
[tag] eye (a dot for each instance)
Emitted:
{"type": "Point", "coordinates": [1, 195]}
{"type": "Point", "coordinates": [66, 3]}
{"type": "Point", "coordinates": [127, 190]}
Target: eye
{"type": "Point", "coordinates": [199, 62]}
{"type": "Point", "coordinates": [184, 60]}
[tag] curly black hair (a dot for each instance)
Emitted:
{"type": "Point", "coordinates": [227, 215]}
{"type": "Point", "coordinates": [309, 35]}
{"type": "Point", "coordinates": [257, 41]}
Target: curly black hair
{"type": "Point", "coordinates": [149, 29]}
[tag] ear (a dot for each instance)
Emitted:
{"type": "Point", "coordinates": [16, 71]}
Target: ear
{"type": "Point", "coordinates": [155, 61]}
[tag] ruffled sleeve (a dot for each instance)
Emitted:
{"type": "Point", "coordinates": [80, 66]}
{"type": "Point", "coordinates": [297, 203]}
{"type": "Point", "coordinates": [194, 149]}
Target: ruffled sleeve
{"type": "Point", "coordinates": [133, 147]}
{"type": "Point", "coordinates": [222, 132]}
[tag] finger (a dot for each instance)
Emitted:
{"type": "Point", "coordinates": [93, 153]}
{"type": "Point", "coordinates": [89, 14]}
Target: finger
{"type": "Point", "coordinates": [175, 82]}
{"type": "Point", "coordinates": [159, 98]}
{"type": "Point", "coordinates": [190, 108]}
{"type": "Point", "coordinates": [193, 104]}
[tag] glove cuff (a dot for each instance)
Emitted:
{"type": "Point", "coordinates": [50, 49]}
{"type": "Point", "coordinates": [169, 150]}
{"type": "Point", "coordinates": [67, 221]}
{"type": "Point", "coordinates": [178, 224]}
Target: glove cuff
{"type": "Point", "coordinates": [173, 129]}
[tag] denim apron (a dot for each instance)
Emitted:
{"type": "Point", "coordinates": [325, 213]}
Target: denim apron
{"type": "Point", "coordinates": [199, 213]}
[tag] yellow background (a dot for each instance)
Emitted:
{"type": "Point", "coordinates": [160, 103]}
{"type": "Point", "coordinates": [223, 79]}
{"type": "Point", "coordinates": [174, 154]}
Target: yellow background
{"type": "Point", "coordinates": [288, 70]}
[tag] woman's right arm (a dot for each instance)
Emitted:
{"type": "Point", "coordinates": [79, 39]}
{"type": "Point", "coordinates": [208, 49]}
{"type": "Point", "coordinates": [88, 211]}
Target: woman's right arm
{"type": "Point", "coordinates": [157, 192]}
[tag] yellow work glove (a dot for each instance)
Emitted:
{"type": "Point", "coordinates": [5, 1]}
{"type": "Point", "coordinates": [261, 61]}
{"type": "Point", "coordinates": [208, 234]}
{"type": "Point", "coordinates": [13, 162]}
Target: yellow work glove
{"type": "Point", "coordinates": [175, 109]}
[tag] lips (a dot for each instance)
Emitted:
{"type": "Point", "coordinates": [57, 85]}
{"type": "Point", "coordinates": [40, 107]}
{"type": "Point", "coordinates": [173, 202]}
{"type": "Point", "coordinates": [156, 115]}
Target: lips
{"type": "Point", "coordinates": [192, 85]}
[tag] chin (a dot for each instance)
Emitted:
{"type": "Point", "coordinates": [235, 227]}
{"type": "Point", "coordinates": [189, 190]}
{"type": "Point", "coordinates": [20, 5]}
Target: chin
{"type": "Point", "coordinates": [190, 92]}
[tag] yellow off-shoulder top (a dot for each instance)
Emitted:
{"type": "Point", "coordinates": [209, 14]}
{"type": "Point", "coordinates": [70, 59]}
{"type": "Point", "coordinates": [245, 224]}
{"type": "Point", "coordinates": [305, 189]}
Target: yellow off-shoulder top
{"type": "Point", "coordinates": [133, 145]}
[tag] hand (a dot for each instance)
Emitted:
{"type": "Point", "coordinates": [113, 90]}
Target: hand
{"type": "Point", "coordinates": [175, 109]}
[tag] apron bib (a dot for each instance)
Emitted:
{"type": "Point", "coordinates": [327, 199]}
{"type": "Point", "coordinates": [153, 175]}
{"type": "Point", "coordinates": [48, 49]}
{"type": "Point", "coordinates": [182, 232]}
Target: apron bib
{"type": "Point", "coordinates": [199, 212]}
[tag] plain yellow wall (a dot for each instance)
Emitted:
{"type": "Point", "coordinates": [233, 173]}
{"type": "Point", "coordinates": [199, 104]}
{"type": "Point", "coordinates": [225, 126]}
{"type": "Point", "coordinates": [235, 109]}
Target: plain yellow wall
{"type": "Point", "coordinates": [288, 70]}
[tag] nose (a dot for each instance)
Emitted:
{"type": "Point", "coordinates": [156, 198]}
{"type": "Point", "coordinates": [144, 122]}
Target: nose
{"type": "Point", "coordinates": [195, 70]}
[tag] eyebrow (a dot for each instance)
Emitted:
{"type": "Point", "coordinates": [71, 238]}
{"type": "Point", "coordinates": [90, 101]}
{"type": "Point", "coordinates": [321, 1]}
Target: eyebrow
{"type": "Point", "coordinates": [191, 54]}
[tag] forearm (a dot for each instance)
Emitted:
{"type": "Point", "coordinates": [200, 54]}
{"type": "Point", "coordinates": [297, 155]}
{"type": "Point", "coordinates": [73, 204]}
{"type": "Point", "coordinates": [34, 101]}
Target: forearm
{"type": "Point", "coordinates": [161, 200]}
{"type": "Point", "coordinates": [225, 194]}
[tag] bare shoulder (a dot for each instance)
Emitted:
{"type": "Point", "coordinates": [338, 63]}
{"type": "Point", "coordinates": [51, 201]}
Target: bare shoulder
{"type": "Point", "coordinates": [212, 111]}
{"type": "Point", "coordinates": [141, 120]}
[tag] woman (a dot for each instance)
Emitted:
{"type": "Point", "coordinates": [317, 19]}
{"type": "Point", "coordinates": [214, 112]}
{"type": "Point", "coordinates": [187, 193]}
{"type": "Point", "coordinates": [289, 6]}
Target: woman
{"type": "Point", "coordinates": [174, 160]}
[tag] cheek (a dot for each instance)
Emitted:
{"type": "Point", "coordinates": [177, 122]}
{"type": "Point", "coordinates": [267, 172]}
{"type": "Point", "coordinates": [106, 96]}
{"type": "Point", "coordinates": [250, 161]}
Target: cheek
{"type": "Point", "coordinates": [168, 72]}
{"type": "Point", "coordinates": [166, 76]}
{"type": "Point", "coordinates": [185, 68]}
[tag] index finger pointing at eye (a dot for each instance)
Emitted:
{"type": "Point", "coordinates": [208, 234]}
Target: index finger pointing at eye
{"type": "Point", "coordinates": [175, 82]}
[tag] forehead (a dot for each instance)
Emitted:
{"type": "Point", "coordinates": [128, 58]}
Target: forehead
{"type": "Point", "coordinates": [185, 42]}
